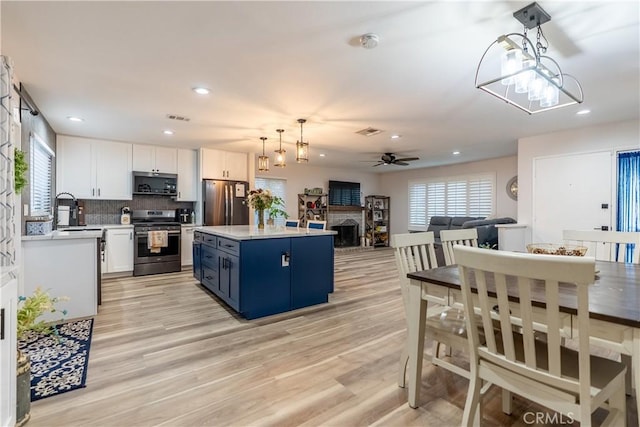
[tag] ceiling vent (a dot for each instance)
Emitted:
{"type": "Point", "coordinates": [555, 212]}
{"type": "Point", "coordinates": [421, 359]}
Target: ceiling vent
{"type": "Point", "coordinates": [179, 118]}
{"type": "Point", "coordinates": [369, 131]}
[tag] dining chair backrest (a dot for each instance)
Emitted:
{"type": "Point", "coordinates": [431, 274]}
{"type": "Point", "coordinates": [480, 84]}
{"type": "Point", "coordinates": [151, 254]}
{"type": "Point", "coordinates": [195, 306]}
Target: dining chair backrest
{"type": "Point", "coordinates": [606, 245]}
{"type": "Point", "coordinates": [316, 225]}
{"type": "Point", "coordinates": [414, 252]}
{"type": "Point", "coordinates": [292, 223]}
{"type": "Point", "coordinates": [463, 236]}
{"type": "Point", "coordinates": [518, 360]}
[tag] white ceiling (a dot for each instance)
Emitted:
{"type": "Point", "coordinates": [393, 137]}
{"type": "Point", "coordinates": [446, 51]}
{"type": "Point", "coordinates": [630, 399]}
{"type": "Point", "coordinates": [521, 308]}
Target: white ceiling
{"type": "Point", "coordinates": [123, 66]}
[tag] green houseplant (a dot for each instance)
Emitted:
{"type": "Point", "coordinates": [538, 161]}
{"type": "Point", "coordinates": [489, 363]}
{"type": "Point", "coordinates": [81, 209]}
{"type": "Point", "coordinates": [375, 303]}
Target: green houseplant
{"type": "Point", "coordinates": [277, 209]}
{"type": "Point", "coordinates": [20, 169]}
{"type": "Point", "coordinates": [30, 309]}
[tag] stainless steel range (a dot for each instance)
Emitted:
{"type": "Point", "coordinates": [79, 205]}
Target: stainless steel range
{"type": "Point", "coordinates": [157, 242]}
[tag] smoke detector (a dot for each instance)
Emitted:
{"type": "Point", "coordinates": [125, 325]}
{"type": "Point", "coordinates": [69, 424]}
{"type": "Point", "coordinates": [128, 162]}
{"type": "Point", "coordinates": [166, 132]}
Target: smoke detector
{"type": "Point", "coordinates": [369, 40]}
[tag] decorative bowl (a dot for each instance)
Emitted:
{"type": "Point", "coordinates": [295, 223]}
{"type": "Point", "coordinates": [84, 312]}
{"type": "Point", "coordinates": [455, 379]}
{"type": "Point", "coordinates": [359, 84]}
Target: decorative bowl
{"type": "Point", "coordinates": [556, 249]}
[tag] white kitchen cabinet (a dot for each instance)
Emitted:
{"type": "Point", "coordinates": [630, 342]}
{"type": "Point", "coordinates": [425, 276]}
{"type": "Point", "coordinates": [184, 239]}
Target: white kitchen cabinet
{"type": "Point", "coordinates": [8, 339]}
{"type": "Point", "coordinates": [119, 250]}
{"type": "Point", "coordinates": [217, 164]}
{"type": "Point", "coordinates": [149, 158]}
{"type": "Point", "coordinates": [186, 245]}
{"type": "Point", "coordinates": [187, 175]}
{"type": "Point", "coordinates": [93, 169]}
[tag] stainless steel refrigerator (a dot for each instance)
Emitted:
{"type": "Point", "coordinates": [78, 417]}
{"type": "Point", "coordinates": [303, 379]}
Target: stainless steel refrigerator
{"type": "Point", "coordinates": [225, 202]}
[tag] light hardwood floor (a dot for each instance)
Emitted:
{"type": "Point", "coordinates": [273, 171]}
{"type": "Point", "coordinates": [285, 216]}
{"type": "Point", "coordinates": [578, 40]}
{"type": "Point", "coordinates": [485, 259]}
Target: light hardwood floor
{"type": "Point", "coordinates": [166, 352]}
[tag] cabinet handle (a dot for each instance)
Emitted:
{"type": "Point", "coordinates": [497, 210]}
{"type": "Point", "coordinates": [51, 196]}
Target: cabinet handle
{"type": "Point", "coordinates": [178, 194]}
{"type": "Point", "coordinates": [98, 192]}
{"type": "Point", "coordinates": [208, 277]}
{"type": "Point", "coordinates": [131, 235]}
{"type": "Point", "coordinates": [1, 323]}
{"type": "Point", "coordinates": [93, 191]}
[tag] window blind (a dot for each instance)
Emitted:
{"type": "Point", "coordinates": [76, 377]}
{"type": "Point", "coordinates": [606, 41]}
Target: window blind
{"type": "Point", "coordinates": [278, 187]}
{"type": "Point", "coordinates": [453, 196]}
{"type": "Point", "coordinates": [41, 165]}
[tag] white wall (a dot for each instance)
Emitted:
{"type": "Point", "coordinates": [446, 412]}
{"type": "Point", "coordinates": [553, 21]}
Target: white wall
{"type": "Point", "coordinates": [396, 185]}
{"type": "Point", "coordinates": [609, 137]}
{"type": "Point", "coordinates": [301, 176]}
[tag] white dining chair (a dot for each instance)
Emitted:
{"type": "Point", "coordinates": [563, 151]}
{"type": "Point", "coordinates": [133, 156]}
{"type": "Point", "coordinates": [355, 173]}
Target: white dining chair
{"type": "Point", "coordinates": [444, 324]}
{"type": "Point", "coordinates": [463, 236]}
{"type": "Point", "coordinates": [573, 383]}
{"type": "Point", "coordinates": [606, 245]}
{"type": "Point", "coordinates": [294, 223]}
{"type": "Point", "coordinates": [611, 246]}
{"type": "Point", "coordinates": [316, 225]}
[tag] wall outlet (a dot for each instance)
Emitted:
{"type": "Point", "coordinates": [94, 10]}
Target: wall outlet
{"type": "Point", "coordinates": [25, 209]}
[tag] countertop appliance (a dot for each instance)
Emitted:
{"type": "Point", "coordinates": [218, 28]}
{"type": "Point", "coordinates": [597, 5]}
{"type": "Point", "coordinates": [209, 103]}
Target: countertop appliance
{"type": "Point", "coordinates": [164, 259]}
{"type": "Point", "coordinates": [125, 215]}
{"type": "Point", "coordinates": [154, 183]}
{"type": "Point", "coordinates": [66, 210]}
{"type": "Point", "coordinates": [225, 202]}
{"type": "Point", "coordinates": [185, 216]}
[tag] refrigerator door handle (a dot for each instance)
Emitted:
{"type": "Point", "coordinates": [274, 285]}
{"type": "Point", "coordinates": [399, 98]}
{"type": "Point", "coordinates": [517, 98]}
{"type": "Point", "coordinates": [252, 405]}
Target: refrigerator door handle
{"type": "Point", "coordinates": [231, 203]}
{"type": "Point", "coordinates": [226, 204]}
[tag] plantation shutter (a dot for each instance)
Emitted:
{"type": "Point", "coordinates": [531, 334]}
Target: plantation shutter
{"type": "Point", "coordinates": [41, 166]}
{"type": "Point", "coordinates": [480, 196]}
{"type": "Point", "coordinates": [454, 196]}
{"type": "Point", "coordinates": [418, 206]}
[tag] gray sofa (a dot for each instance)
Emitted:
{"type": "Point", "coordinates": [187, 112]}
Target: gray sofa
{"type": "Point", "coordinates": [487, 232]}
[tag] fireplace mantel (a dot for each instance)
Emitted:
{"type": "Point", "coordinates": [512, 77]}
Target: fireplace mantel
{"type": "Point", "coordinates": [345, 208]}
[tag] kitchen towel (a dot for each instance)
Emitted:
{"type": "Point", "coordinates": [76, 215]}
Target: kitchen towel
{"type": "Point", "coordinates": [157, 240]}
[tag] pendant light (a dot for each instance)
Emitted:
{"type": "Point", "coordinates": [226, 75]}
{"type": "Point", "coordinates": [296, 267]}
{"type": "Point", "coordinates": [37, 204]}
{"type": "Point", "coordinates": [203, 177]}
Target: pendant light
{"type": "Point", "coordinates": [281, 156]}
{"type": "Point", "coordinates": [263, 161]}
{"type": "Point", "coordinates": [302, 148]}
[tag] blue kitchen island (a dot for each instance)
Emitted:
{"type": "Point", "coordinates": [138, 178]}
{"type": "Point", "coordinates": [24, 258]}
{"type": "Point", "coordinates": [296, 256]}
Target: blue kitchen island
{"type": "Point", "coordinates": [259, 272]}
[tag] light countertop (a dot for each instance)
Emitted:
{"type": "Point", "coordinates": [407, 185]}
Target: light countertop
{"type": "Point", "coordinates": [249, 232]}
{"type": "Point", "coordinates": [65, 235]}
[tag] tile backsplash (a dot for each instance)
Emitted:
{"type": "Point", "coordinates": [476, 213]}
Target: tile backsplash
{"type": "Point", "coordinates": [108, 211]}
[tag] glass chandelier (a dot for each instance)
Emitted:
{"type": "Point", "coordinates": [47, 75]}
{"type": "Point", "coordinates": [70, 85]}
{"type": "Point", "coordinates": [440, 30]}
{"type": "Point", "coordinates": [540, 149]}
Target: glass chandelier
{"type": "Point", "coordinates": [263, 161]}
{"type": "Point", "coordinates": [528, 80]}
{"type": "Point", "coordinates": [302, 148]}
{"type": "Point", "coordinates": [281, 155]}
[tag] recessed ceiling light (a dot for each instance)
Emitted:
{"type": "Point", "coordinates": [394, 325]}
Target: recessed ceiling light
{"type": "Point", "coordinates": [396, 136]}
{"type": "Point", "coordinates": [322, 154]}
{"type": "Point", "coordinates": [75, 119]}
{"type": "Point", "coordinates": [201, 90]}
{"type": "Point", "coordinates": [583, 112]}
{"type": "Point", "coordinates": [455, 153]}
{"type": "Point", "coordinates": [167, 132]}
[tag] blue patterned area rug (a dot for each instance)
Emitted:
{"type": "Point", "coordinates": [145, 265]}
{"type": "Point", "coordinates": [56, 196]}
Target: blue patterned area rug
{"type": "Point", "coordinates": [58, 360]}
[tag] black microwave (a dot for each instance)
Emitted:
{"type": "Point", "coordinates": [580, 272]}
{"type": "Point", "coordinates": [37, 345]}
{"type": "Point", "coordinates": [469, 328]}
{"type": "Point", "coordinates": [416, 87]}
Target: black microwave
{"type": "Point", "coordinates": [163, 184]}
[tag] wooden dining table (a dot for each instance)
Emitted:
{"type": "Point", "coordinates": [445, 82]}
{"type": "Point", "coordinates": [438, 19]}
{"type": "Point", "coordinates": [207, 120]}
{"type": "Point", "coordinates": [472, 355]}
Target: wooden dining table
{"type": "Point", "coordinates": [614, 310]}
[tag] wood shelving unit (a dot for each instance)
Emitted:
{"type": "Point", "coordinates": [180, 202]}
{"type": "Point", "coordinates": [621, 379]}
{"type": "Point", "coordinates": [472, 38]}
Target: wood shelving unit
{"type": "Point", "coordinates": [377, 220]}
{"type": "Point", "coordinates": [312, 206]}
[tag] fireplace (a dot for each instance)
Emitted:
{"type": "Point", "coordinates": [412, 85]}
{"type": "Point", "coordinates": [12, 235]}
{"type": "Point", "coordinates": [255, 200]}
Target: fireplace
{"type": "Point", "coordinates": [347, 234]}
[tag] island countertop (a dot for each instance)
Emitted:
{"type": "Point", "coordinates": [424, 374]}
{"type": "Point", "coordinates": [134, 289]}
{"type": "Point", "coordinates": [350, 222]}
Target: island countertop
{"type": "Point", "coordinates": [250, 232]}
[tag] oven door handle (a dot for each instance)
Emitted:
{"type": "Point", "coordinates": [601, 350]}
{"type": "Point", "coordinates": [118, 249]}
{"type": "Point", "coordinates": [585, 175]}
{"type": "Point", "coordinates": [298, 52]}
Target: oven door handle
{"type": "Point", "coordinates": [146, 233]}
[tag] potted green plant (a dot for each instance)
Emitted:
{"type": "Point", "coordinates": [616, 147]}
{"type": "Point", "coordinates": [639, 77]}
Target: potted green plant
{"type": "Point", "coordinates": [276, 210]}
{"type": "Point", "coordinates": [20, 169]}
{"type": "Point", "coordinates": [30, 311]}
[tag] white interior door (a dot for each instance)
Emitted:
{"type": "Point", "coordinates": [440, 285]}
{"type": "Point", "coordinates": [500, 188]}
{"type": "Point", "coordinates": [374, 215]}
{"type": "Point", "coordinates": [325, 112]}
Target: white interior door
{"type": "Point", "coordinates": [569, 193]}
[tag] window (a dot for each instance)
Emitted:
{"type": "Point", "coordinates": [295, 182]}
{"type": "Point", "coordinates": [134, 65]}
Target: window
{"type": "Point", "coordinates": [454, 196]}
{"type": "Point", "coordinates": [278, 188]}
{"type": "Point", "coordinates": [40, 166]}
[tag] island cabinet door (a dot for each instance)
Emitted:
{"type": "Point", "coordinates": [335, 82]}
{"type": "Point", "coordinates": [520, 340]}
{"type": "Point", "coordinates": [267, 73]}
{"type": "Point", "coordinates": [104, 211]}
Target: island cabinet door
{"type": "Point", "coordinates": [265, 277]}
{"type": "Point", "coordinates": [311, 270]}
{"type": "Point", "coordinates": [229, 284]}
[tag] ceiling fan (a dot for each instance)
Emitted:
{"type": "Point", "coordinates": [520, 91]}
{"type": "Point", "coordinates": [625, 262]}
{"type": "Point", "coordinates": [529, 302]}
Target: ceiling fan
{"type": "Point", "coordinates": [390, 159]}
